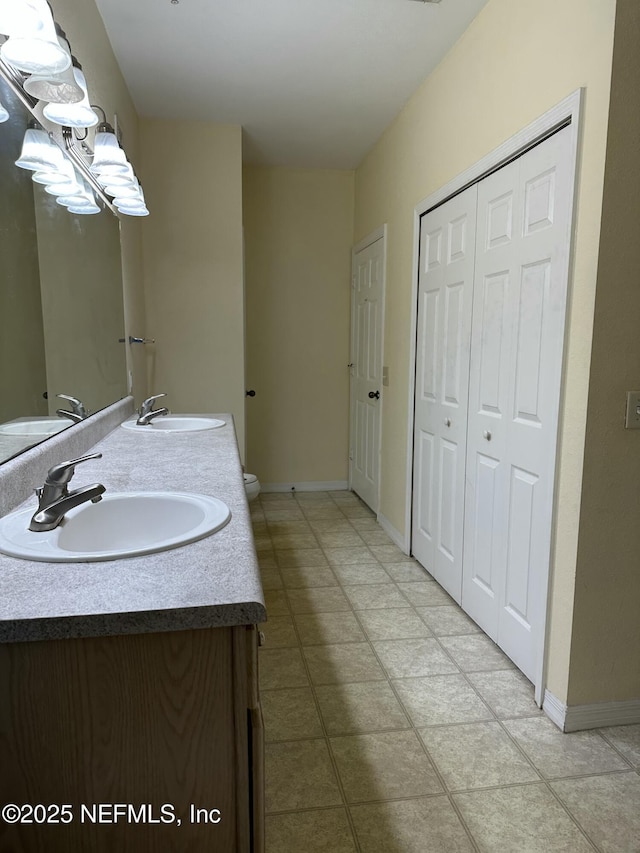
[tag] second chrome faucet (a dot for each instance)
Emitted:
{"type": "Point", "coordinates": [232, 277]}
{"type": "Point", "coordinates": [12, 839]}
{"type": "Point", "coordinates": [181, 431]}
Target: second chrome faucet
{"type": "Point", "coordinates": [146, 412]}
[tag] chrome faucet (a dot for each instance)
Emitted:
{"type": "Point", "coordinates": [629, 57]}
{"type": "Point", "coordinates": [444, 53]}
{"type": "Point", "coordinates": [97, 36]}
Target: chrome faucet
{"type": "Point", "coordinates": [146, 412]}
{"type": "Point", "coordinates": [77, 413]}
{"type": "Point", "coordinates": [54, 499]}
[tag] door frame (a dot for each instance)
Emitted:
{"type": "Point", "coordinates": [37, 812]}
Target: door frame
{"type": "Point", "coordinates": [566, 113]}
{"type": "Point", "coordinates": [377, 234]}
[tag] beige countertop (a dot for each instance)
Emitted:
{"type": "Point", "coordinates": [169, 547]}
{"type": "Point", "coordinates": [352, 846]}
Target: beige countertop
{"type": "Point", "coordinates": [212, 582]}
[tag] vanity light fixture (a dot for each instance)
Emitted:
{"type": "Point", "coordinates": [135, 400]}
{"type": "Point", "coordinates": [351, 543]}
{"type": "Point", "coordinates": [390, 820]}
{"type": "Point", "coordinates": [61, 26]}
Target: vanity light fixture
{"type": "Point", "coordinates": [39, 152]}
{"type": "Point", "coordinates": [60, 88]}
{"type": "Point", "coordinates": [77, 114]}
{"type": "Point", "coordinates": [32, 45]}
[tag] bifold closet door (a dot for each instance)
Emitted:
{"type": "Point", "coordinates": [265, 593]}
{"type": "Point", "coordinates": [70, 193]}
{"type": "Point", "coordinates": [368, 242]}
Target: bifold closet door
{"type": "Point", "coordinates": [445, 286]}
{"type": "Point", "coordinates": [520, 286]}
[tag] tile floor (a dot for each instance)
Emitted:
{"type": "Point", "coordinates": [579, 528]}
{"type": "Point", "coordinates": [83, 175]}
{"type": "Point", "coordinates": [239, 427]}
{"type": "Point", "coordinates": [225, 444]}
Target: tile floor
{"type": "Point", "coordinates": [394, 726]}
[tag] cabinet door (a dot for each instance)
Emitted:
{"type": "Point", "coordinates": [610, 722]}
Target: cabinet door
{"type": "Point", "coordinates": [520, 286]}
{"type": "Point", "coordinates": [445, 285]}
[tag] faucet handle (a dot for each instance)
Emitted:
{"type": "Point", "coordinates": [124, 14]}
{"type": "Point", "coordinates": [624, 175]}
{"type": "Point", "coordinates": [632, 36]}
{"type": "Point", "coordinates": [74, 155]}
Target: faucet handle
{"type": "Point", "coordinates": [60, 474]}
{"type": "Point", "coordinates": [147, 405]}
{"type": "Point", "coordinates": [76, 405]}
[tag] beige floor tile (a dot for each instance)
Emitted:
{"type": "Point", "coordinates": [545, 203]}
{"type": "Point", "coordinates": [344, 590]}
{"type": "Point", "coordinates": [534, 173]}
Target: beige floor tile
{"type": "Point", "coordinates": [626, 740]}
{"type": "Point", "coordinates": [281, 668]}
{"type": "Point", "coordinates": [413, 658]}
{"type": "Point", "coordinates": [343, 496]}
{"type": "Point", "coordinates": [313, 497]}
{"type": "Point", "coordinates": [520, 819]}
{"type": "Point", "coordinates": [388, 553]}
{"type": "Point", "coordinates": [323, 599]}
{"type": "Point", "coordinates": [340, 539]}
{"type": "Point", "coordinates": [557, 754]}
{"type": "Point", "coordinates": [507, 692]}
{"type": "Point", "coordinates": [270, 498]}
{"type": "Point", "coordinates": [476, 755]}
{"type": "Point", "coordinates": [314, 513]}
{"type": "Point", "coordinates": [383, 766]}
{"type": "Point", "coordinates": [290, 714]}
{"type": "Point", "coordinates": [407, 571]}
{"type": "Point", "coordinates": [347, 556]}
{"type": "Point", "coordinates": [448, 621]}
{"type": "Point", "coordinates": [318, 831]}
{"type": "Point", "coordinates": [440, 700]}
{"type": "Point", "coordinates": [283, 527]}
{"type": "Point", "coordinates": [279, 633]}
{"type": "Point", "coordinates": [267, 559]}
{"type": "Point", "coordinates": [275, 600]}
{"type": "Point", "coordinates": [300, 557]}
{"type": "Point", "coordinates": [357, 511]}
{"type": "Point", "coordinates": [607, 808]}
{"type": "Point", "coordinates": [262, 541]}
{"type": "Point", "coordinates": [331, 525]}
{"type": "Point", "coordinates": [359, 573]}
{"type": "Point", "coordinates": [426, 593]}
{"type": "Point", "coordinates": [427, 825]}
{"type": "Point", "coordinates": [296, 577]}
{"type": "Point", "coordinates": [286, 541]}
{"type": "Point", "coordinates": [357, 708]}
{"type": "Point", "coordinates": [376, 537]}
{"type": "Point", "coordinates": [293, 514]}
{"type": "Point", "coordinates": [259, 528]}
{"type": "Point", "coordinates": [364, 522]}
{"type": "Point", "coordinates": [323, 628]}
{"type": "Point", "coordinates": [375, 596]}
{"type": "Point", "coordinates": [339, 663]}
{"type": "Point", "coordinates": [393, 624]}
{"type": "Point", "coordinates": [476, 653]}
{"type": "Point", "coordinates": [271, 579]}
{"type": "Point", "coordinates": [299, 775]}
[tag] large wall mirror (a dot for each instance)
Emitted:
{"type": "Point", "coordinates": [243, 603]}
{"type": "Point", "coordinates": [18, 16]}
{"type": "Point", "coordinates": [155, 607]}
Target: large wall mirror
{"type": "Point", "coordinates": [61, 302]}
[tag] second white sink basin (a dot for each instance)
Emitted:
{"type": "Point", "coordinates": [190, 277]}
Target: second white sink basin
{"type": "Point", "coordinates": [122, 524]}
{"type": "Point", "coordinates": [168, 424]}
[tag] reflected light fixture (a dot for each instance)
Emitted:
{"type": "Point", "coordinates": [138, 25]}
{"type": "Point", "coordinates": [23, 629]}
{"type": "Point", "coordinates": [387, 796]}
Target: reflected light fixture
{"type": "Point", "coordinates": [39, 153]}
{"type": "Point", "coordinates": [77, 114]}
{"type": "Point", "coordinates": [60, 88]}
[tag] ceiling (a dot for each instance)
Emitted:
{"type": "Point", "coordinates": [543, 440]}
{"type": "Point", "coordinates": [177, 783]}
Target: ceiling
{"type": "Point", "coordinates": [312, 82]}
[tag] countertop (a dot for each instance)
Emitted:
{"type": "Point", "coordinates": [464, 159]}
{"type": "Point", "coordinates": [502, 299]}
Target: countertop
{"type": "Point", "coordinates": [209, 583]}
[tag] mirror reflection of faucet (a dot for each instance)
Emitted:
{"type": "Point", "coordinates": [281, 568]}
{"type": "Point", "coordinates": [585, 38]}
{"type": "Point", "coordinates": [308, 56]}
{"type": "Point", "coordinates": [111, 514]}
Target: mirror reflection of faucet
{"type": "Point", "coordinates": [54, 498]}
{"type": "Point", "coordinates": [146, 412]}
{"type": "Point", "coordinates": [76, 413]}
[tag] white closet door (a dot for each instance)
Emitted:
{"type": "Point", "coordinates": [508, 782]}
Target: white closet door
{"type": "Point", "coordinates": [445, 283]}
{"type": "Point", "coordinates": [517, 338]}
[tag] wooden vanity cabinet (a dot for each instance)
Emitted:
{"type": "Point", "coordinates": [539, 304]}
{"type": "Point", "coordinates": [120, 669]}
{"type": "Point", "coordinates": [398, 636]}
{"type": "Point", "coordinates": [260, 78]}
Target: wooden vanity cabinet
{"type": "Point", "coordinates": [167, 725]}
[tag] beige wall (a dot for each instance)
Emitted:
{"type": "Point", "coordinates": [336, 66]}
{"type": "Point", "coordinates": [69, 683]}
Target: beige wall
{"type": "Point", "coordinates": [605, 652]}
{"type": "Point", "coordinates": [84, 27]}
{"type": "Point", "coordinates": [514, 62]}
{"type": "Point", "coordinates": [298, 236]}
{"type": "Point", "coordinates": [192, 249]}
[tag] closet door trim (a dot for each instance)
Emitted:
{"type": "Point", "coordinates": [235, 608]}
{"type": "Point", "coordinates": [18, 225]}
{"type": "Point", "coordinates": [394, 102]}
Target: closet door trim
{"type": "Point", "coordinates": [565, 113]}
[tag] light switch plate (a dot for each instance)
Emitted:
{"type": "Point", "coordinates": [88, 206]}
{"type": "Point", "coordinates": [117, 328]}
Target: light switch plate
{"type": "Point", "coordinates": [632, 420]}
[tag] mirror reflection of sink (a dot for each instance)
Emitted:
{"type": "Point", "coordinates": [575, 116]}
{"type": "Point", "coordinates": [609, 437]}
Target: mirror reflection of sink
{"type": "Point", "coordinates": [166, 423]}
{"type": "Point", "coordinates": [37, 426]}
{"type": "Point", "coordinates": [122, 524]}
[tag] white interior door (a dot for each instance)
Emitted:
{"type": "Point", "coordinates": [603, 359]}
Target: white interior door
{"type": "Point", "coordinates": [366, 371]}
{"type": "Point", "coordinates": [520, 287]}
{"type": "Point", "coordinates": [445, 288]}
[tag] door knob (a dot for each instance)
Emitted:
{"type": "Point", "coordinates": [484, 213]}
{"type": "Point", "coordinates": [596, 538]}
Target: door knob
{"type": "Point", "coordinates": [251, 393]}
{"type": "Point", "coordinates": [374, 395]}
{"type": "Point", "coordinates": [487, 434]}
{"type": "Point", "coordinates": [447, 422]}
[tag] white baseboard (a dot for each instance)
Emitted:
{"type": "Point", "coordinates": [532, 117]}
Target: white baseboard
{"type": "Point", "coordinates": [309, 486]}
{"type": "Point", "coordinates": [391, 531]}
{"type": "Point", "coordinates": [576, 718]}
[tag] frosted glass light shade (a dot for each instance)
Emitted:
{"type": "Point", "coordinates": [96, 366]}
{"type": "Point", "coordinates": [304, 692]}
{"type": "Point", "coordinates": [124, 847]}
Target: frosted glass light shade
{"type": "Point", "coordinates": [4, 115]}
{"type": "Point", "coordinates": [48, 178]}
{"type": "Point", "coordinates": [18, 17]}
{"type": "Point", "coordinates": [84, 210]}
{"type": "Point", "coordinates": [83, 198]}
{"type": "Point", "coordinates": [108, 157]}
{"type": "Point", "coordinates": [129, 191]}
{"type": "Point", "coordinates": [55, 88]}
{"type": "Point", "coordinates": [39, 153]}
{"type": "Point", "coordinates": [117, 180]}
{"type": "Point", "coordinates": [71, 186]}
{"type": "Point", "coordinates": [73, 114]}
{"type": "Point", "coordinates": [33, 45]}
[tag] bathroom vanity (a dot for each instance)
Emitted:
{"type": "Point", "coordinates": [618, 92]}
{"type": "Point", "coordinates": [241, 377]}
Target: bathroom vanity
{"type": "Point", "coordinates": [129, 706]}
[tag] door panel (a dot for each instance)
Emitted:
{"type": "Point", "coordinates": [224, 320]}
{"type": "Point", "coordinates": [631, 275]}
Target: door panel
{"type": "Point", "coordinates": [442, 381]}
{"type": "Point", "coordinates": [366, 371]}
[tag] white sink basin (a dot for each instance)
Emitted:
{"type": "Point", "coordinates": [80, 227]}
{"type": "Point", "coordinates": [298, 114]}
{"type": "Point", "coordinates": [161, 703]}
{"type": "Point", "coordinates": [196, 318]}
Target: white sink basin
{"type": "Point", "coordinates": [43, 426]}
{"type": "Point", "coordinates": [168, 424]}
{"type": "Point", "coordinates": [122, 524]}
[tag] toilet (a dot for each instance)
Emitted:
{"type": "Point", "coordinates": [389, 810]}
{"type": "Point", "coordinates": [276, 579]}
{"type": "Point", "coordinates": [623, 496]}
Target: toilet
{"type": "Point", "coordinates": [252, 486]}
